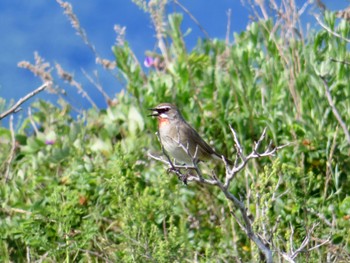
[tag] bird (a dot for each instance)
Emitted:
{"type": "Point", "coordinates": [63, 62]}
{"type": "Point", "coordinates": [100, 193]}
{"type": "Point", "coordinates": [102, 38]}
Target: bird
{"type": "Point", "coordinates": [180, 140]}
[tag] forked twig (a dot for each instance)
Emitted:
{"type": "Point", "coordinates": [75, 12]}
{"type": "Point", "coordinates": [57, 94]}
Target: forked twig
{"type": "Point", "coordinates": [238, 166]}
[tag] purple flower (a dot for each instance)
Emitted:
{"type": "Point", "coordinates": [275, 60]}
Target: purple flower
{"type": "Point", "coordinates": [49, 142]}
{"type": "Point", "coordinates": [149, 62]}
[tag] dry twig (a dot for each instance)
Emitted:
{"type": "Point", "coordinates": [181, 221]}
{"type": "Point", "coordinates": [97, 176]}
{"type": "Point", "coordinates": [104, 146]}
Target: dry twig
{"type": "Point", "coordinates": [69, 78]}
{"type": "Point", "coordinates": [330, 30]}
{"type": "Point", "coordinates": [30, 116]}
{"type": "Point", "coordinates": [334, 109]}
{"type": "Point", "coordinates": [98, 85]}
{"type": "Point", "coordinates": [15, 108]}
{"type": "Point", "coordinates": [193, 19]}
{"type": "Point", "coordinates": [13, 150]}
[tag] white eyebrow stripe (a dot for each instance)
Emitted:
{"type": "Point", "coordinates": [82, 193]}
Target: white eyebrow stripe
{"type": "Point", "coordinates": [163, 108]}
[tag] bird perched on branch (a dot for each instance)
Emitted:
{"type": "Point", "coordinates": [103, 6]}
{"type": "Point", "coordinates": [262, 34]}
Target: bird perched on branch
{"type": "Point", "coordinates": [179, 139]}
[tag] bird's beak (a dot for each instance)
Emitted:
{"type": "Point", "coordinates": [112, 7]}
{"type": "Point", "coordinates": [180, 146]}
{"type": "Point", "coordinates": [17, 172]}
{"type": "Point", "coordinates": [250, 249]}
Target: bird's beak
{"type": "Point", "coordinates": [155, 113]}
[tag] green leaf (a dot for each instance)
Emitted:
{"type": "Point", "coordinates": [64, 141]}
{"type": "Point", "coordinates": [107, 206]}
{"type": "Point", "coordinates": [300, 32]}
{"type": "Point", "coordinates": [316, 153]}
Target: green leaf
{"type": "Point", "coordinates": [344, 207]}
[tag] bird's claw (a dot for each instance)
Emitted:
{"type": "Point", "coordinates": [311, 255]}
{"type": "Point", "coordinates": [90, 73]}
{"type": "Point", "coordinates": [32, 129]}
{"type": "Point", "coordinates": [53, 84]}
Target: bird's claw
{"type": "Point", "coordinates": [173, 170]}
{"type": "Point", "coordinates": [182, 177]}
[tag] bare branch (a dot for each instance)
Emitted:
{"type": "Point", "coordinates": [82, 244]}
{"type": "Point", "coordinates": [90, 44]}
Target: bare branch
{"type": "Point", "coordinates": [330, 30]}
{"type": "Point", "coordinates": [237, 143]}
{"type": "Point", "coordinates": [193, 18]}
{"type": "Point", "coordinates": [320, 216]}
{"type": "Point", "coordinates": [334, 109]}
{"type": "Point", "coordinates": [248, 229]}
{"type": "Point", "coordinates": [340, 61]}
{"type": "Point", "coordinates": [202, 180]}
{"type": "Point", "coordinates": [97, 85]}
{"type": "Point", "coordinates": [32, 120]}
{"type": "Point", "coordinates": [305, 242]}
{"type": "Point", "coordinates": [171, 164]}
{"type": "Point", "coordinates": [328, 240]}
{"type": "Point", "coordinates": [13, 150]}
{"type": "Point", "coordinates": [15, 108]}
{"type": "Point", "coordinates": [69, 78]}
{"type": "Point", "coordinates": [230, 173]}
{"type": "Point", "coordinates": [175, 169]}
{"type": "Point", "coordinates": [11, 210]}
{"type": "Point", "coordinates": [28, 254]}
{"type": "Point", "coordinates": [286, 257]}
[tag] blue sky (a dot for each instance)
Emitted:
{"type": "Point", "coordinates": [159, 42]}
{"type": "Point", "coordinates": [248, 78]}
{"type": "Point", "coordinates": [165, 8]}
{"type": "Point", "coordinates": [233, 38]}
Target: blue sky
{"type": "Point", "coordinates": [40, 25]}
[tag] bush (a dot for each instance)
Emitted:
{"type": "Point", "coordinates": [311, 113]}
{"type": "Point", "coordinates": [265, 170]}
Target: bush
{"type": "Point", "coordinates": [84, 189]}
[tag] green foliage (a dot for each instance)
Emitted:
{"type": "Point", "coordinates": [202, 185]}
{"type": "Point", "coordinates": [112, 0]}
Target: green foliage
{"type": "Point", "coordinates": [83, 189]}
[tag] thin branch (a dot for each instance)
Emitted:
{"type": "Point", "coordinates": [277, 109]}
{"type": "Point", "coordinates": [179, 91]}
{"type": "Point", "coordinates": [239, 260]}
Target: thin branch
{"type": "Point", "coordinates": [28, 254]}
{"type": "Point", "coordinates": [248, 229]}
{"type": "Point", "coordinates": [193, 18]}
{"type": "Point", "coordinates": [291, 238]}
{"type": "Point", "coordinates": [305, 242]}
{"type": "Point", "coordinates": [15, 108]}
{"type": "Point", "coordinates": [171, 165]}
{"type": "Point", "coordinates": [287, 257]}
{"type": "Point", "coordinates": [13, 150]}
{"type": "Point", "coordinates": [69, 78]}
{"type": "Point", "coordinates": [97, 85]}
{"type": "Point", "coordinates": [340, 61]}
{"type": "Point", "coordinates": [189, 178]}
{"type": "Point", "coordinates": [10, 210]}
{"type": "Point", "coordinates": [328, 240]}
{"type": "Point", "coordinates": [334, 110]}
{"type": "Point", "coordinates": [244, 159]}
{"type": "Point", "coordinates": [43, 257]}
{"type": "Point", "coordinates": [330, 30]}
{"type": "Point", "coordinates": [303, 8]}
{"type": "Point", "coordinates": [329, 172]}
{"type": "Point", "coordinates": [30, 116]}
{"type": "Point", "coordinates": [320, 216]}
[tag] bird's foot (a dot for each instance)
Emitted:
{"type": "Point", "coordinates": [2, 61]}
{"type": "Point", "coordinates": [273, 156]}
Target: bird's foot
{"type": "Point", "coordinates": [173, 170]}
{"type": "Point", "coordinates": [182, 177]}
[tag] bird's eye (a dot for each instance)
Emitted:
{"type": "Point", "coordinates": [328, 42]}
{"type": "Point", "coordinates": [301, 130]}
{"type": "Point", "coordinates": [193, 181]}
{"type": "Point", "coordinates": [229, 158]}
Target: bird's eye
{"type": "Point", "coordinates": [164, 109]}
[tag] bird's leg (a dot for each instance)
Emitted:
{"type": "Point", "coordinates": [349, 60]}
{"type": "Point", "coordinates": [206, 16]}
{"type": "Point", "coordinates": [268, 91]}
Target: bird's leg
{"type": "Point", "coordinates": [182, 177]}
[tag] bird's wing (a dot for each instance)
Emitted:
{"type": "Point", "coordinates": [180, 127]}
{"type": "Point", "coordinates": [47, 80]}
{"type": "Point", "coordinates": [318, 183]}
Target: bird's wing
{"type": "Point", "coordinates": [200, 142]}
{"type": "Point", "coordinates": [205, 147]}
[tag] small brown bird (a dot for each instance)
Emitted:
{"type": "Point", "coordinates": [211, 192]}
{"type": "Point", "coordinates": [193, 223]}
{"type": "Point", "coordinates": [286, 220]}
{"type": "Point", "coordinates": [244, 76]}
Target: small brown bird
{"type": "Point", "coordinates": [179, 139]}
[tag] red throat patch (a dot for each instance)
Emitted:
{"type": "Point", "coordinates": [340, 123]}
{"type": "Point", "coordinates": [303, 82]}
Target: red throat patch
{"type": "Point", "coordinates": [162, 121]}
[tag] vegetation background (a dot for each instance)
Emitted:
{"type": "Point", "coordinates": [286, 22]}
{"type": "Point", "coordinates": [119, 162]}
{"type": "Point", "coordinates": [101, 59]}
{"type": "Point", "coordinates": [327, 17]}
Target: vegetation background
{"type": "Point", "coordinates": [78, 185]}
